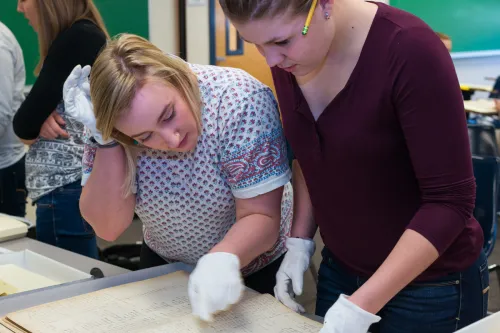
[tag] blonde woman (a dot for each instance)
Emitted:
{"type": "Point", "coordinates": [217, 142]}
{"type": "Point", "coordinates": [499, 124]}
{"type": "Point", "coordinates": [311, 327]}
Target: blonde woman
{"type": "Point", "coordinates": [70, 32]}
{"type": "Point", "coordinates": [210, 170]}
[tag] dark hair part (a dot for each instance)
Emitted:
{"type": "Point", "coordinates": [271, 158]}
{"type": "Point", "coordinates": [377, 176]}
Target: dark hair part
{"type": "Point", "coordinates": [246, 10]}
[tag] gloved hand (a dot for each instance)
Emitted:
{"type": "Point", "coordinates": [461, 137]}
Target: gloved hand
{"type": "Point", "coordinates": [215, 284]}
{"type": "Point", "coordinates": [345, 316]}
{"type": "Point", "coordinates": [77, 103]}
{"type": "Point", "coordinates": [291, 272]}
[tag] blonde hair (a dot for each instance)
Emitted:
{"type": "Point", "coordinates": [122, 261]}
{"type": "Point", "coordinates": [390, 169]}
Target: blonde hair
{"type": "Point", "coordinates": [55, 16]}
{"type": "Point", "coordinates": [443, 36]}
{"type": "Point", "coordinates": [121, 69]}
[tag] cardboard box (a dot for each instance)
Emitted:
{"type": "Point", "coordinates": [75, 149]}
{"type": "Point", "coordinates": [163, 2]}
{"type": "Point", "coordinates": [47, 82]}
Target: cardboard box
{"type": "Point", "coordinates": [490, 324]}
{"type": "Point", "coordinates": [47, 268]}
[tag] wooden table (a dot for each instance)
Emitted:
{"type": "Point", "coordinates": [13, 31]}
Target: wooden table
{"type": "Point", "coordinates": [481, 106]}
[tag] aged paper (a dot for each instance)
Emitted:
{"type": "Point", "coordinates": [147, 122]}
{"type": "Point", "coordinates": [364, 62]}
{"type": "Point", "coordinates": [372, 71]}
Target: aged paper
{"type": "Point", "coordinates": [259, 314]}
{"type": "Point", "coordinates": [6, 289]}
{"type": "Point", "coordinates": [15, 278]}
{"type": "Point", "coordinates": [3, 329]}
{"type": "Point", "coordinates": [157, 305]}
{"type": "Point", "coordinates": [11, 328]}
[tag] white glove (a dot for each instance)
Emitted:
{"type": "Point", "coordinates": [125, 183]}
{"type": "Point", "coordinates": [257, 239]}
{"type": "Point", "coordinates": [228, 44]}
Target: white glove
{"type": "Point", "coordinates": [291, 272]}
{"type": "Point", "coordinates": [345, 316]}
{"type": "Point", "coordinates": [77, 103]}
{"type": "Point", "coordinates": [215, 284]}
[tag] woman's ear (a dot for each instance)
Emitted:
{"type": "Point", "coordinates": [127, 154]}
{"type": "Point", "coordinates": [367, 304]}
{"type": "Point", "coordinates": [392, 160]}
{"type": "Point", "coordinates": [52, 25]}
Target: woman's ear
{"type": "Point", "coordinates": [326, 4]}
{"type": "Point", "coordinates": [326, 8]}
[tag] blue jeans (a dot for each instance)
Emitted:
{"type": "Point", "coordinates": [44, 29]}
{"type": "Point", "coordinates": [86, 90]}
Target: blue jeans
{"type": "Point", "coordinates": [59, 222]}
{"type": "Point", "coordinates": [13, 189]}
{"type": "Point", "coordinates": [441, 306]}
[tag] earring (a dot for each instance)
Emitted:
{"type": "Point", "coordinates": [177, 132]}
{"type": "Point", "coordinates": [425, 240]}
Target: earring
{"type": "Point", "coordinates": [327, 15]}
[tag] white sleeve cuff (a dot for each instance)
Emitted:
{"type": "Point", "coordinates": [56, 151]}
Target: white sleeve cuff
{"type": "Point", "coordinates": [263, 187]}
{"type": "Point", "coordinates": [85, 177]}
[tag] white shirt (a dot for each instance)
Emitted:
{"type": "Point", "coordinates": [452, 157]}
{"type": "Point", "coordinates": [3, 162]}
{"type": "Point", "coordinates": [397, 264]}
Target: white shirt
{"type": "Point", "coordinates": [12, 80]}
{"type": "Point", "coordinates": [186, 201]}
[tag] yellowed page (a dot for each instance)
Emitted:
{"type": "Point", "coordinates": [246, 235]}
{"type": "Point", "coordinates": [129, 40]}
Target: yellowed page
{"type": "Point", "coordinates": [3, 329]}
{"type": "Point", "coordinates": [126, 308]}
{"type": "Point", "coordinates": [6, 289]}
{"type": "Point", "coordinates": [8, 327]}
{"type": "Point", "coordinates": [23, 280]}
{"type": "Point", "coordinates": [255, 315]}
{"type": "Point", "coordinates": [157, 305]}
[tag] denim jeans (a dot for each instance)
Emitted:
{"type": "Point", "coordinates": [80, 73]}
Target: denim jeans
{"type": "Point", "coordinates": [59, 222]}
{"type": "Point", "coordinates": [13, 189]}
{"type": "Point", "coordinates": [441, 306]}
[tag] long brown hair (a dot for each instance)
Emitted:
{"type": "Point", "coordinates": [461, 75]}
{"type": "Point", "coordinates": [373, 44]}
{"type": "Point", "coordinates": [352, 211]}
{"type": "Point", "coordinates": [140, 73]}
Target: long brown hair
{"type": "Point", "coordinates": [246, 10]}
{"type": "Point", "coordinates": [55, 16]}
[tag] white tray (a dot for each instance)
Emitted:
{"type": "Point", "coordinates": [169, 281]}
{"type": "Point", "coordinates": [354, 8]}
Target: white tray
{"type": "Point", "coordinates": [490, 324]}
{"type": "Point", "coordinates": [48, 268]}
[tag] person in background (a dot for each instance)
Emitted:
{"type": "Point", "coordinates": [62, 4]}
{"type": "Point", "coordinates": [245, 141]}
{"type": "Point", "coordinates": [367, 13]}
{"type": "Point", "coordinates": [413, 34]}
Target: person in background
{"type": "Point", "coordinates": [12, 152]}
{"type": "Point", "coordinates": [446, 40]}
{"type": "Point", "coordinates": [70, 32]}
{"type": "Point", "coordinates": [371, 106]}
{"type": "Point", "coordinates": [202, 161]}
{"type": "Point", "coordinates": [497, 105]}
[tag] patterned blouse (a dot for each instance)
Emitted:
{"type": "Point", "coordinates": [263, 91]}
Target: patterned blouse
{"type": "Point", "coordinates": [186, 201]}
{"type": "Point", "coordinates": [51, 164]}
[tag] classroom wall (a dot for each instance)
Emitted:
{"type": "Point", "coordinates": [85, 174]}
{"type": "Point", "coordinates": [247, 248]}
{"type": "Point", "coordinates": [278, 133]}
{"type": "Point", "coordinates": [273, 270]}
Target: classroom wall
{"type": "Point", "coordinates": [164, 29]}
{"type": "Point", "coordinates": [197, 33]}
{"type": "Point", "coordinates": [163, 25]}
{"type": "Point", "coordinates": [474, 70]}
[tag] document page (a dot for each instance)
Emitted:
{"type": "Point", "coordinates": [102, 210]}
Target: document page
{"type": "Point", "coordinates": [157, 305]}
{"type": "Point", "coordinates": [16, 279]}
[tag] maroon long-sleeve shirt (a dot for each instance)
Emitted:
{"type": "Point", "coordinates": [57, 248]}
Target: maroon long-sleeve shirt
{"type": "Point", "coordinates": [390, 152]}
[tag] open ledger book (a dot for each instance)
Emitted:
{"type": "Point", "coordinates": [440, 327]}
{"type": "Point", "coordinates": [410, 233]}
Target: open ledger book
{"type": "Point", "coordinates": [158, 305]}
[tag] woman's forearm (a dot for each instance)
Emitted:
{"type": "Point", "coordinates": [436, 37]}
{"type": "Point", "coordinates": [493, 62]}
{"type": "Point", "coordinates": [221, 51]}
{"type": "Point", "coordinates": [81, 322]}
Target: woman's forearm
{"type": "Point", "coordinates": [411, 256]}
{"type": "Point", "coordinates": [303, 221]}
{"type": "Point", "coordinates": [102, 202]}
{"type": "Point", "coordinates": [250, 237]}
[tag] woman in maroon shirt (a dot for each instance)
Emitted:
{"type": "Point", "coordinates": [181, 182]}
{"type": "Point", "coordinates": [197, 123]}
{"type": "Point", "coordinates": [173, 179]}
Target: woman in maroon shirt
{"type": "Point", "coordinates": [372, 108]}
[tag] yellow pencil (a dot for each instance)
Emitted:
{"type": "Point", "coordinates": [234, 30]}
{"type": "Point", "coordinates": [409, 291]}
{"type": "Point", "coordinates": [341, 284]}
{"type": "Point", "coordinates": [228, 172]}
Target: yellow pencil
{"type": "Point", "coordinates": [309, 17]}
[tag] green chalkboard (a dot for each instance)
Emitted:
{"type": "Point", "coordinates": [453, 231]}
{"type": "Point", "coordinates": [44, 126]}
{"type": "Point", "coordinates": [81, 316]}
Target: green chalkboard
{"type": "Point", "coordinates": [474, 25]}
{"type": "Point", "coordinates": [119, 16]}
